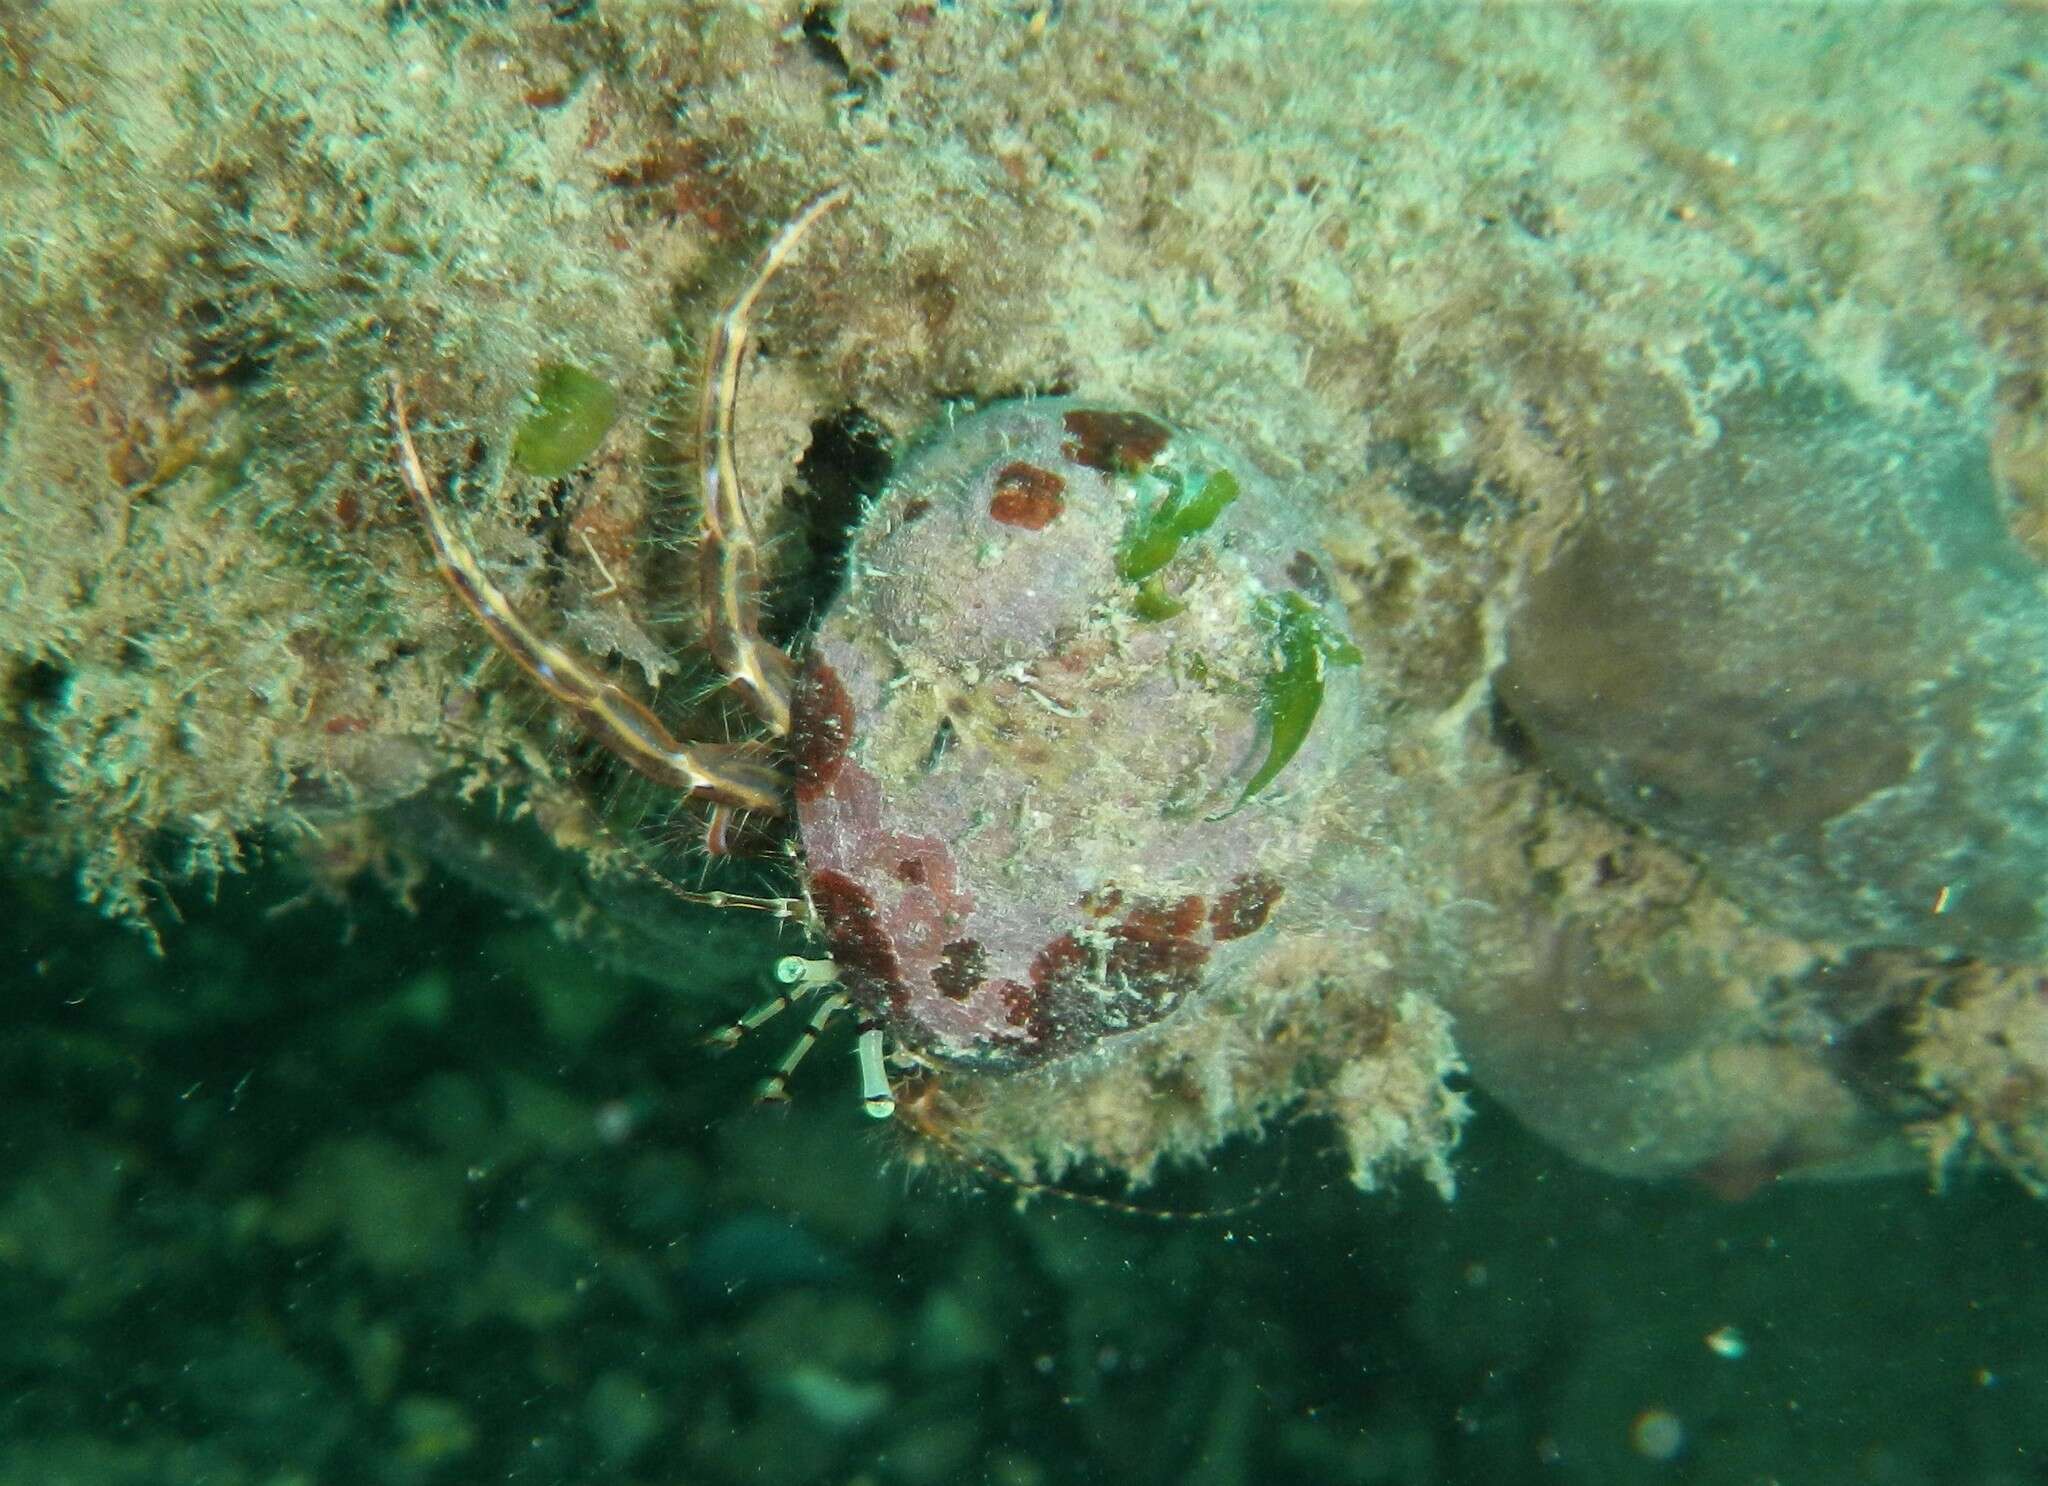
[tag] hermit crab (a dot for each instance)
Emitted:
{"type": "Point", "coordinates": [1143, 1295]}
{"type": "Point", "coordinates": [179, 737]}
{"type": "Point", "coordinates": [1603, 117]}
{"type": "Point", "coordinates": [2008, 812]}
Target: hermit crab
{"type": "Point", "coordinates": [1055, 756]}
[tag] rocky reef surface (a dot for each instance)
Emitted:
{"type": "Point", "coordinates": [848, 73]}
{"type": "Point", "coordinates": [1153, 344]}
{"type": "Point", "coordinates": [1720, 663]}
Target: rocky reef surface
{"type": "Point", "coordinates": [1668, 399]}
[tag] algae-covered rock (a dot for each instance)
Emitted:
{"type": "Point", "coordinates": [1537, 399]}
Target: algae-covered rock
{"type": "Point", "coordinates": [1440, 273]}
{"type": "Point", "coordinates": [1792, 635]}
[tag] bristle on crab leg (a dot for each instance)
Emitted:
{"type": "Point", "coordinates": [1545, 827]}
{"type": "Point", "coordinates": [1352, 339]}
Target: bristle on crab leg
{"type": "Point", "coordinates": [740, 776]}
{"type": "Point", "coordinates": [729, 572]}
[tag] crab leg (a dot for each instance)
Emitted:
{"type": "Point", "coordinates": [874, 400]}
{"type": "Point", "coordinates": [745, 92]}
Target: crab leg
{"type": "Point", "coordinates": [800, 976]}
{"type": "Point", "coordinates": [875, 1095]}
{"type": "Point", "coordinates": [775, 1088]}
{"type": "Point", "coordinates": [735, 776]}
{"type": "Point", "coordinates": [729, 573]}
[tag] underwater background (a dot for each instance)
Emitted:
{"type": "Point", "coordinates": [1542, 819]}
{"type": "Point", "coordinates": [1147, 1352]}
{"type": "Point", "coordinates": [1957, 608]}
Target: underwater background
{"type": "Point", "coordinates": [1566, 484]}
{"type": "Point", "coordinates": [398, 1198]}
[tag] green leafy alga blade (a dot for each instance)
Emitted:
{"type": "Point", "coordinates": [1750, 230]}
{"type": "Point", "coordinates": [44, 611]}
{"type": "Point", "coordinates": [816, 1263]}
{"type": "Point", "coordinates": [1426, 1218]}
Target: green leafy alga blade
{"type": "Point", "coordinates": [1306, 641]}
{"type": "Point", "coordinates": [1154, 539]}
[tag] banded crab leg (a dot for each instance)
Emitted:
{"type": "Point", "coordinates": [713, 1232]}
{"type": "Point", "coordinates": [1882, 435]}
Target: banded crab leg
{"type": "Point", "coordinates": [876, 1097]}
{"type": "Point", "coordinates": [734, 776]}
{"type": "Point", "coordinates": [761, 672]}
{"type": "Point", "coordinates": [798, 978]}
{"type": "Point", "coordinates": [729, 573]}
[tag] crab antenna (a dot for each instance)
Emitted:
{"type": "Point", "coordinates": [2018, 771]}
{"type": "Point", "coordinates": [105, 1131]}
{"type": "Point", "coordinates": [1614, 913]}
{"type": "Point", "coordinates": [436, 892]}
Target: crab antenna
{"type": "Point", "coordinates": [729, 574]}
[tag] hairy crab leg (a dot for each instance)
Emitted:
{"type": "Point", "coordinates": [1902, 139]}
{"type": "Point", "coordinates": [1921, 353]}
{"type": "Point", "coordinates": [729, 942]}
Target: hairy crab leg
{"type": "Point", "coordinates": [735, 776]}
{"type": "Point", "coordinates": [730, 559]}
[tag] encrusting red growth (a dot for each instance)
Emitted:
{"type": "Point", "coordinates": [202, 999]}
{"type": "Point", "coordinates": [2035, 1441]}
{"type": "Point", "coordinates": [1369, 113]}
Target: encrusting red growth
{"type": "Point", "coordinates": [1027, 496]}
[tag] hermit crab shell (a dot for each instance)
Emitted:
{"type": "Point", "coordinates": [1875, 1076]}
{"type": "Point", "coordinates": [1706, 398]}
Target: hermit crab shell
{"type": "Point", "coordinates": [1061, 743]}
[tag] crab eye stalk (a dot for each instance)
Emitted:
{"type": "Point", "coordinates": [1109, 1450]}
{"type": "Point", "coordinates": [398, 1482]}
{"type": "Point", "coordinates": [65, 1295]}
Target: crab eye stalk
{"type": "Point", "coordinates": [796, 971]}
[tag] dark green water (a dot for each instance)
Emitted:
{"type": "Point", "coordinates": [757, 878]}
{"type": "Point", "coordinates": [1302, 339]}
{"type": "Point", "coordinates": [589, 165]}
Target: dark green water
{"type": "Point", "coordinates": [386, 1198]}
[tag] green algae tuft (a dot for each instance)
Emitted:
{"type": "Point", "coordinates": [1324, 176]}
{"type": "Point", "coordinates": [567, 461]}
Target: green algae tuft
{"type": "Point", "coordinates": [572, 413]}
